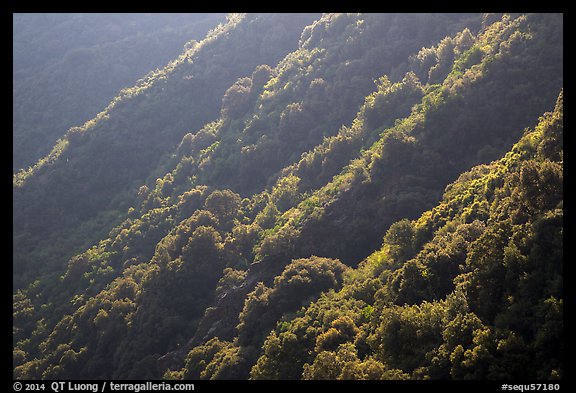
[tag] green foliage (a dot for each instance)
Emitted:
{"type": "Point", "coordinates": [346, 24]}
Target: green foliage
{"type": "Point", "coordinates": [300, 282]}
{"type": "Point", "coordinates": [320, 217]}
{"type": "Point", "coordinates": [62, 80]}
{"type": "Point", "coordinates": [209, 360]}
{"type": "Point", "coordinates": [482, 295]}
{"type": "Point", "coordinates": [135, 135]}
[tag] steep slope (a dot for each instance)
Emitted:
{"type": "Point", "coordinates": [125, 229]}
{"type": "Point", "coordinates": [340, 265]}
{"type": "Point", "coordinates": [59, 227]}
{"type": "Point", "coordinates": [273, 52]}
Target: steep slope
{"type": "Point", "coordinates": [72, 197]}
{"type": "Point", "coordinates": [221, 243]}
{"type": "Point", "coordinates": [67, 67]}
{"type": "Point", "coordinates": [170, 202]}
{"type": "Point", "coordinates": [472, 289]}
{"type": "Point", "coordinates": [404, 172]}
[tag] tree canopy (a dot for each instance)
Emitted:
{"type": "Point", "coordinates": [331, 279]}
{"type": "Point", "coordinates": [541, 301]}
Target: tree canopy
{"type": "Point", "coordinates": [305, 196]}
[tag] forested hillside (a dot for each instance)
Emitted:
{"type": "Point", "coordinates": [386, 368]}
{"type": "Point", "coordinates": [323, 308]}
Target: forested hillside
{"type": "Point", "coordinates": [73, 196]}
{"type": "Point", "coordinates": [306, 196]}
{"type": "Point", "coordinates": [68, 67]}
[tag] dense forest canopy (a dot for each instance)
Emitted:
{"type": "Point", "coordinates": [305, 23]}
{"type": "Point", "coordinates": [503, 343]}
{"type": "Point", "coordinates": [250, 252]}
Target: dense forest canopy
{"type": "Point", "coordinates": [67, 67]}
{"type": "Point", "coordinates": [294, 196]}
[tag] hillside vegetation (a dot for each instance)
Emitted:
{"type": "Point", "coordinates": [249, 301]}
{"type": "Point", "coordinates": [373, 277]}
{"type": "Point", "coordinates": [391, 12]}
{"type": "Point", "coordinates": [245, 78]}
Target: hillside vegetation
{"type": "Point", "coordinates": [347, 196]}
{"type": "Point", "coordinates": [67, 67]}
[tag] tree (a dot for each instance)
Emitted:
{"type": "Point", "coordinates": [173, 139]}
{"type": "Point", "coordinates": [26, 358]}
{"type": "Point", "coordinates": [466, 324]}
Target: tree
{"type": "Point", "coordinates": [224, 204]}
{"type": "Point", "coordinates": [237, 99]}
{"type": "Point", "coordinates": [398, 242]}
